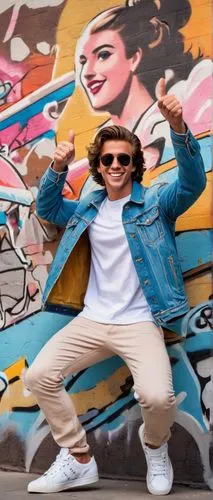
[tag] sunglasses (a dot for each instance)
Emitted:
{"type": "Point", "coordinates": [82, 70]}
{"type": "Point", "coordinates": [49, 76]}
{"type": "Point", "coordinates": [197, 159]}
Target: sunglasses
{"type": "Point", "coordinates": [123, 158]}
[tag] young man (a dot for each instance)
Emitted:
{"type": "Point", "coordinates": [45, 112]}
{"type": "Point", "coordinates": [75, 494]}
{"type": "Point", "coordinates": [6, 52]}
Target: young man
{"type": "Point", "coordinates": [133, 284]}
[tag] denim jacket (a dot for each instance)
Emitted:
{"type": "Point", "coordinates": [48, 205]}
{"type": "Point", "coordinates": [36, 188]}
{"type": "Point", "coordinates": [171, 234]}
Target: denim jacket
{"type": "Point", "coordinates": [149, 223]}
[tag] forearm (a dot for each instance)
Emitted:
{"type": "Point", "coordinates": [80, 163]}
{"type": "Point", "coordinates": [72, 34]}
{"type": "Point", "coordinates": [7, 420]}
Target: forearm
{"type": "Point", "coordinates": [50, 204]}
{"type": "Point", "coordinates": [177, 197]}
{"type": "Point", "coordinates": [191, 170]}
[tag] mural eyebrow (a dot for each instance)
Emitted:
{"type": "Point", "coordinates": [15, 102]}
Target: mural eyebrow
{"type": "Point", "coordinates": [102, 46]}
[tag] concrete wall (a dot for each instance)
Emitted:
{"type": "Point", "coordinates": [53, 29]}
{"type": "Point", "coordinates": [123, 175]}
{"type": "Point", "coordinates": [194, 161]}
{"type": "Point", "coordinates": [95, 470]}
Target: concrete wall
{"type": "Point", "coordinates": [40, 99]}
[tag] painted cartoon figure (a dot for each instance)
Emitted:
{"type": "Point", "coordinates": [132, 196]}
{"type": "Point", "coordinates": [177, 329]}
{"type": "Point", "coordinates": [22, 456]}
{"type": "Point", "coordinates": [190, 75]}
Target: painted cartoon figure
{"type": "Point", "coordinates": [122, 78]}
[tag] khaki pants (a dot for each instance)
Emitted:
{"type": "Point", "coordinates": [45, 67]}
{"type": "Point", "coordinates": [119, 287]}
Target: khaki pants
{"type": "Point", "coordinates": [82, 343]}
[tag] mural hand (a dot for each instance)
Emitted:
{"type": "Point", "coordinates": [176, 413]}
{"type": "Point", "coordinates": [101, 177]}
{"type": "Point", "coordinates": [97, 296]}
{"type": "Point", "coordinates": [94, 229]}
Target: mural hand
{"type": "Point", "coordinates": [64, 153]}
{"type": "Point", "coordinates": [71, 136]}
{"type": "Point", "coordinates": [171, 108]}
{"type": "Point", "coordinates": [162, 87]}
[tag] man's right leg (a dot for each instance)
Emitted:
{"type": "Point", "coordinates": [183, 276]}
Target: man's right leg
{"type": "Point", "coordinates": [77, 346]}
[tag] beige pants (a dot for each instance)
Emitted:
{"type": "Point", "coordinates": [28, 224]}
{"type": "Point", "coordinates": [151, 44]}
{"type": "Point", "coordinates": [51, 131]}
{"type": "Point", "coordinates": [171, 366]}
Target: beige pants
{"type": "Point", "coordinates": [82, 343]}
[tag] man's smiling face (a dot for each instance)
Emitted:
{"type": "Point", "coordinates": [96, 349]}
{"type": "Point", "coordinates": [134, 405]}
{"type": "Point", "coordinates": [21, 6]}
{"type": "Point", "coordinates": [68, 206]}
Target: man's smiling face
{"type": "Point", "coordinates": [117, 177]}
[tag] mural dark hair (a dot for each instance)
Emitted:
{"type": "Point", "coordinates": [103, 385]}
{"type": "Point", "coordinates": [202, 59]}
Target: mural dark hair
{"type": "Point", "coordinates": [152, 25]}
{"type": "Point", "coordinates": [115, 133]}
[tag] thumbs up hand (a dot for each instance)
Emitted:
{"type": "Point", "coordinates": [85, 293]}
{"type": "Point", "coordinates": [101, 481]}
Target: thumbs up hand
{"type": "Point", "coordinates": [64, 153]}
{"type": "Point", "coordinates": [171, 108]}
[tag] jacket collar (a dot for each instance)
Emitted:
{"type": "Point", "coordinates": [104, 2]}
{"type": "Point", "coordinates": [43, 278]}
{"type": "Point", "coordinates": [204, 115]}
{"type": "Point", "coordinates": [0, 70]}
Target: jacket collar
{"type": "Point", "coordinates": [97, 197]}
{"type": "Point", "coordinates": [137, 195]}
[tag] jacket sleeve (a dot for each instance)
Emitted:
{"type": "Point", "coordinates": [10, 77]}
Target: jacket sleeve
{"type": "Point", "coordinates": [177, 197]}
{"type": "Point", "coordinates": [50, 204]}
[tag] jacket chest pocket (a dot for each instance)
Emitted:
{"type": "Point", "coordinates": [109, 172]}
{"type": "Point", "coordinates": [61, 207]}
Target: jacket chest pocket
{"type": "Point", "coordinates": [150, 226]}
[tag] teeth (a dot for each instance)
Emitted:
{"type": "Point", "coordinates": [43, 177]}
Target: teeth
{"type": "Point", "coordinates": [94, 85]}
{"type": "Point", "coordinates": [116, 175]}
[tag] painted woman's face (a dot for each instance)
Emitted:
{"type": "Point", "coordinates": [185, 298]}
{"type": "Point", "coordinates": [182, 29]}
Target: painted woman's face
{"type": "Point", "coordinates": [105, 70]}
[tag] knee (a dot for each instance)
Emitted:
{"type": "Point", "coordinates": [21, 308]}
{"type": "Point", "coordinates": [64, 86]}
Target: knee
{"type": "Point", "coordinates": [39, 377]}
{"type": "Point", "coordinates": [156, 401]}
{"type": "Point", "coordinates": [30, 378]}
{"type": "Point", "coordinates": [36, 377]}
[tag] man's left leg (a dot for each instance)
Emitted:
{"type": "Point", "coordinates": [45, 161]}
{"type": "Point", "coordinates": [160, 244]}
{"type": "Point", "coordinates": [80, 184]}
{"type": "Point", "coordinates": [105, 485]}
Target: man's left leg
{"type": "Point", "coordinates": [142, 347]}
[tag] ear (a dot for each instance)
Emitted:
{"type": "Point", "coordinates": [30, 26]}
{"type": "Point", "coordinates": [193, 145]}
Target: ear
{"type": "Point", "coordinates": [136, 59]}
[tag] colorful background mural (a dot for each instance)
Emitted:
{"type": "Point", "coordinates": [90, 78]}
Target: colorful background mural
{"type": "Point", "coordinates": [59, 69]}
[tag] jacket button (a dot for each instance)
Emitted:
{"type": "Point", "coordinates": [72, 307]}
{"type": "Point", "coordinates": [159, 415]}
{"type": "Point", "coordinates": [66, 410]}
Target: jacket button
{"type": "Point", "coordinates": [146, 282]}
{"type": "Point", "coordinates": [148, 221]}
{"type": "Point", "coordinates": [132, 235]}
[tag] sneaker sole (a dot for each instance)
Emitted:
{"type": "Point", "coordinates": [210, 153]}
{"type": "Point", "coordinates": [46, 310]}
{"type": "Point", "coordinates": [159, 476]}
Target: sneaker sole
{"type": "Point", "coordinates": [77, 483]}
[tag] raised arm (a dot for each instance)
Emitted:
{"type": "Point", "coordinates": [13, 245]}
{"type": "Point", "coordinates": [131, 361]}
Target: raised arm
{"type": "Point", "coordinates": [177, 197]}
{"type": "Point", "coordinates": [50, 204]}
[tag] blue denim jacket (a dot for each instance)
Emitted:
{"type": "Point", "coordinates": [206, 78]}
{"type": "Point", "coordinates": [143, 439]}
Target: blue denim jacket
{"type": "Point", "coordinates": [149, 222]}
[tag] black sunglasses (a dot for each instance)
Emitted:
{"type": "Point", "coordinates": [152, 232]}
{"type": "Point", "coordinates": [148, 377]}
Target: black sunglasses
{"type": "Point", "coordinates": [123, 158]}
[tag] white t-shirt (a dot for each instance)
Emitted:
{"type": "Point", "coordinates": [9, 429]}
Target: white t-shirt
{"type": "Point", "coordinates": [114, 294]}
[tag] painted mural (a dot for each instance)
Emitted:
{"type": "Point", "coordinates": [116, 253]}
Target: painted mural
{"type": "Point", "coordinates": [75, 74]}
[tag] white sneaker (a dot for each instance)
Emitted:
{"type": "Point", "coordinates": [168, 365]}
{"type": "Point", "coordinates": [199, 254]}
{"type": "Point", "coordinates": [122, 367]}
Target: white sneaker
{"type": "Point", "coordinates": [65, 473]}
{"type": "Point", "coordinates": [160, 475]}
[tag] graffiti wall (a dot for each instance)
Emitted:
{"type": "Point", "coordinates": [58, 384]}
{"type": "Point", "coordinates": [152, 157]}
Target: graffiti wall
{"type": "Point", "coordinates": [64, 65]}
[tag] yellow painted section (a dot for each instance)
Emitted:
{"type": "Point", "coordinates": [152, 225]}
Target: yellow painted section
{"type": "Point", "coordinates": [197, 33]}
{"type": "Point", "coordinates": [15, 369]}
{"type": "Point", "coordinates": [199, 216]}
{"type": "Point", "coordinates": [199, 289]}
{"type": "Point", "coordinates": [16, 396]}
{"type": "Point", "coordinates": [104, 394]}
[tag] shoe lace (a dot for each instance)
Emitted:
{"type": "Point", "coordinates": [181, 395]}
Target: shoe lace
{"type": "Point", "coordinates": [158, 464]}
{"type": "Point", "coordinates": [60, 465]}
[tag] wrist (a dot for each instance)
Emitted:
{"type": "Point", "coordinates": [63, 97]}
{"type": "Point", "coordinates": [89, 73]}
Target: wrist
{"type": "Point", "coordinates": [58, 168]}
{"type": "Point", "coordinates": [179, 128]}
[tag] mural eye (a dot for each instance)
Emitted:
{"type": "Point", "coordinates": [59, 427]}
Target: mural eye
{"type": "Point", "coordinates": [104, 54]}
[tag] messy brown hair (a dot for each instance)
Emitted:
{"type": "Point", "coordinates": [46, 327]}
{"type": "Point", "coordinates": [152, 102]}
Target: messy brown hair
{"type": "Point", "coordinates": [115, 133]}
